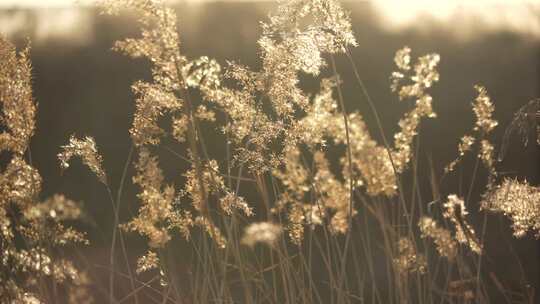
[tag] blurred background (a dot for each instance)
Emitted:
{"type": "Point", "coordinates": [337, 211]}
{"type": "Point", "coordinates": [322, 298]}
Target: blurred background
{"type": "Point", "coordinates": [83, 88]}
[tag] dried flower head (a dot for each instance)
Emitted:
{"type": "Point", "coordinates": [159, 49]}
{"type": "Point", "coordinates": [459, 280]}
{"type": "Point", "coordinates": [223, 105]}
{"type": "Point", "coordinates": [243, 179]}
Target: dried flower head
{"type": "Point", "coordinates": [171, 71]}
{"type": "Point", "coordinates": [296, 219]}
{"type": "Point", "coordinates": [81, 291]}
{"type": "Point", "coordinates": [312, 129]}
{"type": "Point", "coordinates": [424, 76]}
{"type": "Point", "coordinates": [295, 179]}
{"type": "Point", "coordinates": [87, 151]}
{"type": "Point", "coordinates": [484, 124]}
{"type": "Point", "coordinates": [464, 146]}
{"type": "Point", "coordinates": [168, 94]}
{"type": "Point", "coordinates": [370, 161]}
{"type": "Point", "coordinates": [213, 184]}
{"type": "Point", "coordinates": [483, 109]}
{"type": "Point", "coordinates": [408, 260]}
{"type": "Point", "coordinates": [153, 101]}
{"type": "Point", "coordinates": [371, 164]}
{"type": "Point", "coordinates": [526, 123]}
{"type": "Point", "coordinates": [212, 231]}
{"type": "Point", "coordinates": [486, 154]}
{"type": "Point", "coordinates": [203, 72]}
{"type": "Point", "coordinates": [231, 201]}
{"type": "Point", "coordinates": [332, 196]}
{"type": "Point", "coordinates": [56, 208]}
{"type": "Point", "coordinates": [262, 232]}
{"type": "Point", "coordinates": [293, 41]}
{"type": "Point", "coordinates": [150, 261]}
{"type": "Point", "coordinates": [444, 242]}
{"type": "Point", "coordinates": [17, 120]}
{"type": "Point", "coordinates": [329, 29]}
{"type": "Point", "coordinates": [157, 202]}
{"type": "Point", "coordinates": [32, 232]}
{"type": "Point", "coordinates": [147, 262]}
{"type": "Point", "coordinates": [314, 215]}
{"type": "Point", "coordinates": [457, 213]}
{"type": "Point", "coordinates": [403, 58]}
{"type": "Point", "coordinates": [403, 140]}
{"type": "Point", "coordinates": [517, 200]}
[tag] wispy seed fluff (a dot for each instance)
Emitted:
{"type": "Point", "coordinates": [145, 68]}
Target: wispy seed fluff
{"type": "Point", "coordinates": [263, 232]}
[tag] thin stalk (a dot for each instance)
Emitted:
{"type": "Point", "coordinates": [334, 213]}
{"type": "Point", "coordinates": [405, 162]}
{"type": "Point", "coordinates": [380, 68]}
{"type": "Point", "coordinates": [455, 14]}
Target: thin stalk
{"type": "Point", "coordinates": [351, 183]}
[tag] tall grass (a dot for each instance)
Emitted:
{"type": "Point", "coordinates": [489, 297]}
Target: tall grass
{"type": "Point", "coordinates": [302, 204]}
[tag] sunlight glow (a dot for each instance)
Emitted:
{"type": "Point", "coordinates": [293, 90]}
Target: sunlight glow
{"type": "Point", "coordinates": [462, 17]}
{"type": "Point", "coordinates": [68, 3]}
{"type": "Point", "coordinates": [40, 3]}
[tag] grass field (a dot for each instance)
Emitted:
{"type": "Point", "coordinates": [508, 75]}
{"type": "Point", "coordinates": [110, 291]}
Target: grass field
{"type": "Point", "coordinates": [277, 182]}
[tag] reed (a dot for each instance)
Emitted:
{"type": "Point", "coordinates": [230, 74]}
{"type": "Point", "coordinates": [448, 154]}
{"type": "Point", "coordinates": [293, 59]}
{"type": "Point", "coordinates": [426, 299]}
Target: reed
{"type": "Point", "coordinates": [303, 206]}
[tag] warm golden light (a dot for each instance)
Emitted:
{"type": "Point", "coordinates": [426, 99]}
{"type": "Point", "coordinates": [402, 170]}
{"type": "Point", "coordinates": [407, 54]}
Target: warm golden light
{"type": "Point", "coordinates": [463, 18]}
{"type": "Point", "coordinates": [65, 3]}
{"type": "Point", "coordinates": [460, 18]}
{"type": "Point", "coordinates": [39, 3]}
